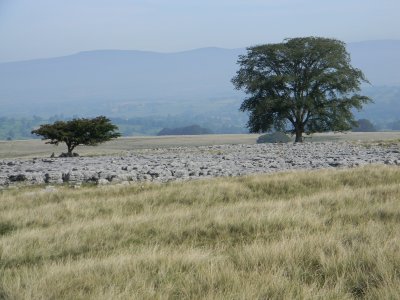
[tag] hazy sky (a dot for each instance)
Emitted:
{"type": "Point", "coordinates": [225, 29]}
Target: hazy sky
{"type": "Point", "coordinates": [45, 28]}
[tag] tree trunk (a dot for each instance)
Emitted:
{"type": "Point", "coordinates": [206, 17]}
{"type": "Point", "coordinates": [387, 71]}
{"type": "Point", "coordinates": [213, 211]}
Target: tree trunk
{"type": "Point", "coordinates": [70, 148]}
{"type": "Point", "coordinates": [299, 136]}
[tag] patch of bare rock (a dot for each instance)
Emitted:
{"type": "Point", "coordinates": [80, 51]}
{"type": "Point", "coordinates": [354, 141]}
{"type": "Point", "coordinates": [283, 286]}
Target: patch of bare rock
{"type": "Point", "coordinates": [183, 163]}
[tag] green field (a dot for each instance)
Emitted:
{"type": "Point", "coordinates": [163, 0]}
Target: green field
{"type": "Point", "coordinates": [38, 148]}
{"type": "Point", "coordinates": [299, 235]}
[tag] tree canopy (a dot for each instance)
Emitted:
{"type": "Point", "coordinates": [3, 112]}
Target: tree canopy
{"type": "Point", "coordinates": [302, 85]}
{"type": "Point", "coordinates": [80, 131]}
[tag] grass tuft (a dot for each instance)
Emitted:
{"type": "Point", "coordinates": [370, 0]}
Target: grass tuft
{"type": "Point", "coordinates": [296, 235]}
{"type": "Point", "coordinates": [6, 227]}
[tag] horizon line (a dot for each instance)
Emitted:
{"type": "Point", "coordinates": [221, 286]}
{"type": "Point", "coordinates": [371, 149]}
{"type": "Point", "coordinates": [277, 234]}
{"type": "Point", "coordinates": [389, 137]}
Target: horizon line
{"type": "Point", "coordinates": [160, 52]}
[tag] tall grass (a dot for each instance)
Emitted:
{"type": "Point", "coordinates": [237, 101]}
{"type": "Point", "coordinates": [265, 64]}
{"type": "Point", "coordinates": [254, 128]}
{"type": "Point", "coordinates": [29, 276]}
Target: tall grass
{"type": "Point", "coordinates": [300, 235]}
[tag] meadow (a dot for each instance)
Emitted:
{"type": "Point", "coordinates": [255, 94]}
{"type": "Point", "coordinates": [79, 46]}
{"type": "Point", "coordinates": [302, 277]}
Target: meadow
{"type": "Point", "coordinates": [296, 235]}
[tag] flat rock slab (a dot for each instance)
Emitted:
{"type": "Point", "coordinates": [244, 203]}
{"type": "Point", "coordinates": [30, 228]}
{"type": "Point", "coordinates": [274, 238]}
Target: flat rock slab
{"type": "Point", "coordinates": [183, 163]}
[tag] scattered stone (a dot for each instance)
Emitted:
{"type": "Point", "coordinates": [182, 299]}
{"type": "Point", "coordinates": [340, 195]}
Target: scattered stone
{"type": "Point", "coordinates": [103, 181]}
{"type": "Point", "coordinates": [48, 160]}
{"type": "Point", "coordinates": [53, 177]}
{"type": "Point", "coordinates": [183, 163]}
{"type": "Point", "coordinates": [181, 173]}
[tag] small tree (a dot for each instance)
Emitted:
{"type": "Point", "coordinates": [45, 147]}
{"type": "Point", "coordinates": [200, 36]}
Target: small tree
{"type": "Point", "coordinates": [76, 132]}
{"type": "Point", "coordinates": [307, 83]}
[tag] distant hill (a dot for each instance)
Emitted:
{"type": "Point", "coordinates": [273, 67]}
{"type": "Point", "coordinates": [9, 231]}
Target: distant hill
{"type": "Point", "coordinates": [188, 130]}
{"type": "Point", "coordinates": [119, 83]}
{"type": "Point", "coordinates": [127, 84]}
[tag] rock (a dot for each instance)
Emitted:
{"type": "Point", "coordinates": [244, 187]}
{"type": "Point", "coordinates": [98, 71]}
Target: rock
{"type": "Point", "coordinates": [36, 178]}
{"type": "Point", "coordinates": [159, 172]}
{"type": "Point", "coordinates": [103, 181]}
{"type": "Point", "coordinates": [53, 177]}
{"type": "Point", "coordinates": [144, 177]}
{"type": "Point", "coordinates": [89, 177]}
{"type": "Point", "coordinates": [68, 155]}
{"type": "Point", "coordinates": [50, 161]}
{"type": "Point", "coordinates": [193, 173]}
{"type": "Point", "coordinates": [180, 173]}
{"type": "Point", "coordinates": [180, 163]}
{"type": "Point", "coordinates": [121, 178]}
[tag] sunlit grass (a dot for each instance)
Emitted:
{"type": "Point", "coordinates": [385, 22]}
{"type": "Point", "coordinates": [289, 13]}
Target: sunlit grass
{"type": "Point", "coordinates": [314, 235]}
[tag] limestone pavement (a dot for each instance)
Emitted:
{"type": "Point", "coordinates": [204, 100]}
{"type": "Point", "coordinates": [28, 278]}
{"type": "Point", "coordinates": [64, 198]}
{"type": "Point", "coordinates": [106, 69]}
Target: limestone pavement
{"type": "Point", "coordinates": [184, 163]}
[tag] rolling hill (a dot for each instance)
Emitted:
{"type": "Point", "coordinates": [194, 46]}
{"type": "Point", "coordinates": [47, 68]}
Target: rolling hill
{"type": "Point", "coordinates": [122, 83]}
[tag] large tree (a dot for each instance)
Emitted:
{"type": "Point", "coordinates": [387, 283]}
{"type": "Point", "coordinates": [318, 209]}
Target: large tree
{"type": "Point", "coordinates": [78, 132]}
{"type": "Point", "coordinates": [303, 85]}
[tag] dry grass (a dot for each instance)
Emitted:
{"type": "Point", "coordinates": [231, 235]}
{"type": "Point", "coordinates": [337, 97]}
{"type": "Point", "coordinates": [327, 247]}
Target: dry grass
{"type": "Point", "coordinates": [302, 235]}
{"type": "Point", "coordinates": [37, 148]}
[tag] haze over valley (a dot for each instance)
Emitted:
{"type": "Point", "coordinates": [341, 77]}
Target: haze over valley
{"type": "Point", "coordinates": [173, 89]}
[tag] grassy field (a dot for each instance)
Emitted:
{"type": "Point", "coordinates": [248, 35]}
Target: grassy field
{"type": "Point", "coordinates": [300, 235]}
{"type": "Point", "coordinates": [37, 148]}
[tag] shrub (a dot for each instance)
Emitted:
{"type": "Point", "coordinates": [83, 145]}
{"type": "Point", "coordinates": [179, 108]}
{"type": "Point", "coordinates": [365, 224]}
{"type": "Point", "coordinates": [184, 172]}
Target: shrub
{"type": "Point", "coordinates": [275, 137]}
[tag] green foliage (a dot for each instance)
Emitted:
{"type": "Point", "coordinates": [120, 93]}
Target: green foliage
{"type": "Point", "coordinates": [76, 132]}
{"type": "Point", "coordinates": [364, 125]}
{"type": "Point", "coordinates": [275, 137]}
{"type": "Point", "coordinates": [307, 83]}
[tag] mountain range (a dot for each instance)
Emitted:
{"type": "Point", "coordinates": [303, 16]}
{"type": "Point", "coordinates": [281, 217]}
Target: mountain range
{"type": "Point", "coordinates": [126, 83]}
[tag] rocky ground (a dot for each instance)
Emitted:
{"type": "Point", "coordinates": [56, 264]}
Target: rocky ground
{"type": "Point", "coordinates": [162, 165]}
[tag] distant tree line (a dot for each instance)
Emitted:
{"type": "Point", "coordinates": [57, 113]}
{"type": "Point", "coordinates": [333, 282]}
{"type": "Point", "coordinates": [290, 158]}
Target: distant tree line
{"type": "Point", "coordinates": [395, 125]}
{"type": "Point", "coordinates": [364, 125]}
{"type": "Point", "coordinates": [187, 130]}
{"type": "Point", "coordinates": [20, 128]}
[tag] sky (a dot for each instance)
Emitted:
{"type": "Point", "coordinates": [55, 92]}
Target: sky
{"type": "Point", "coordinates": [31, 29]}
